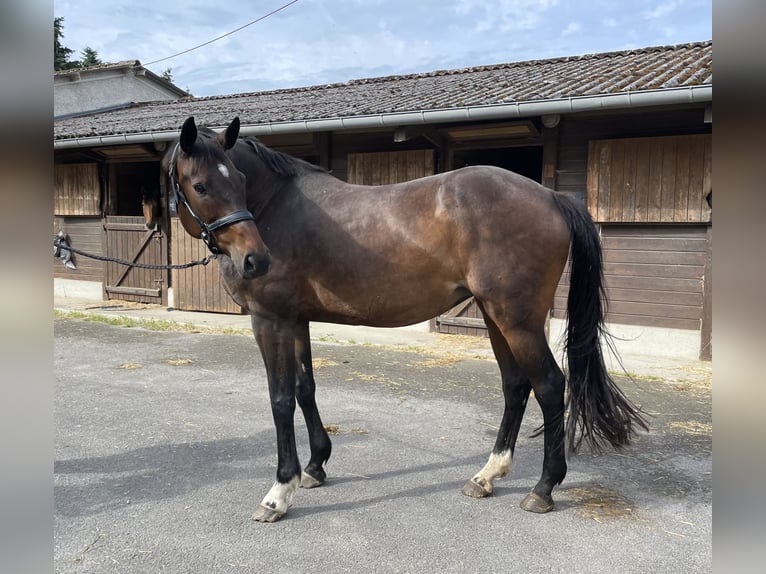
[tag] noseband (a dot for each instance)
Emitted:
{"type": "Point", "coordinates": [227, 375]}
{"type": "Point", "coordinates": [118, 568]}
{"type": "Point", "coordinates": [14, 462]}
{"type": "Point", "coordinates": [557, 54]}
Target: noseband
{"type": "Point", "coordinates": [206, 229]}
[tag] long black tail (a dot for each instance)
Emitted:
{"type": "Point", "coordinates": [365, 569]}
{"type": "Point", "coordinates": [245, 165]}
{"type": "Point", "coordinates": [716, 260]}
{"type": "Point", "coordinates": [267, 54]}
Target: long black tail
{"type": "Point", "coordinates": [599, 412]}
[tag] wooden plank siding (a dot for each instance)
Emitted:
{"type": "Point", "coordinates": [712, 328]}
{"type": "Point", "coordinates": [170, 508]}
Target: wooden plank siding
{"type": "Point", "coordinates": [128, 239]}
{"type": "Point", "coordinates": [653, 180]}
{"type": "Point", "coordinates": [661, 283]}
{"type": "Point", "coordinates": [197, 288]}
{"type": "Point", "coordinates": [463, 319]}
{"type": "Point", "coordinates": [86, 234]}
{"type": "Point", "coordinates": [76, 189]}
{"type": "Point", "coordinates": [654, 275]}
{"type": "Point", "coordinates": [576, 131]}
{"type": "Point", "coordinates": [381, 168]}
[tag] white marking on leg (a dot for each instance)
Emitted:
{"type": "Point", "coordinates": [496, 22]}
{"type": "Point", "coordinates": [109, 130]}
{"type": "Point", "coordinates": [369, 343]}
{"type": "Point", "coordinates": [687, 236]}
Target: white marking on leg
{"type": "Point", "coordinates": [280, 497]}
{"type": "Point", "coordinates": [498, 466]}
{"type": "Point", "coordinates": [223, 169]}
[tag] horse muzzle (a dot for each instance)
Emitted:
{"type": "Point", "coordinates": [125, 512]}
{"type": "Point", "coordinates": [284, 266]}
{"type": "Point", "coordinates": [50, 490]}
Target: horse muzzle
{"type": "Point", "coordinates": [256, 264]}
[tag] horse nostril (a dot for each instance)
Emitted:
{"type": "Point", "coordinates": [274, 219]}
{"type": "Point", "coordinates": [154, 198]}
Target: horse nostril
{"type": "Point", "coordinates": [256, 265]}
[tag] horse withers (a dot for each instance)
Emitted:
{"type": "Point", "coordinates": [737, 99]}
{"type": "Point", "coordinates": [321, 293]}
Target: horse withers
{"type": "Point", "coordinates": [297, 245]}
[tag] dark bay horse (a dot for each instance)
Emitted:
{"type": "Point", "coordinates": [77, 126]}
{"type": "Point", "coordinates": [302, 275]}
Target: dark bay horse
{"type": "Point", "coordinates": [299, 245]}
{"type": "Point", "coordinates": [150, 207]}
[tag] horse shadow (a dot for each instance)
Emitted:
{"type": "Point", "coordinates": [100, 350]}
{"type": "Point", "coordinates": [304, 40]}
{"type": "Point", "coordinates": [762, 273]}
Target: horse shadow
{"type": "Point", "coordinates": [152, 474]}
{"type": "Point", "coordinates": [85, 486]}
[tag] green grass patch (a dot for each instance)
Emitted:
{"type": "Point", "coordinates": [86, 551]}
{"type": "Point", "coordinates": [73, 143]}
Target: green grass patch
{"type": "Point", "coordinates": [150, 324]}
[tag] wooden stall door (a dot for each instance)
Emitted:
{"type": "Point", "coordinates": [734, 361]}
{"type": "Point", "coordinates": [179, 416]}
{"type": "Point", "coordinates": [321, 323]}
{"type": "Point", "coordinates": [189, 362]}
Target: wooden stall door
{"type": "Point", "coordinates": [197, 288]}
{"type": "Point", "coordinates": [128, 239]}
{"type": "Point", "coordinates": [650, 180]}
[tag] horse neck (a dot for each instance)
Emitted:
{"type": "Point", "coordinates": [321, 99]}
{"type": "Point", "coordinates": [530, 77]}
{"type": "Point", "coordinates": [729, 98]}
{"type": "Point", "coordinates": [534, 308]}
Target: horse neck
{"type": "Point", "coordinates": [263, 185]}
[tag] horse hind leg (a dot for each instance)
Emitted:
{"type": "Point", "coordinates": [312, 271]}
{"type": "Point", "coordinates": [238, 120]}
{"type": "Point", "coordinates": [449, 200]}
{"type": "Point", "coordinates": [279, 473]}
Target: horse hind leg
{"type": "Point", "coordinates": [529, 364]}
{"type": "Point", "coordinates": [516, 388]}
{"type": "Point", "coordinates": [313, 474]}
{"type": "Point", "coordinates": [548, 383]}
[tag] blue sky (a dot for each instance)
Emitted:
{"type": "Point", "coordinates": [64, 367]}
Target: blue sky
{"type": "Point", "coordinates": [326, 41]}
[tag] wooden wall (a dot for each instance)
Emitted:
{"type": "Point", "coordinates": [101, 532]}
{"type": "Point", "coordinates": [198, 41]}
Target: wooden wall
{"type": "Point", "coordinates": [381, 168]}
{"type": "Point", "coordinates": [644, 178]}
{"type": "Point", "coordinates": [76, 189]}
{"type": "Point", "coordinates": [654, 275]}
{"type": "Point", "coordinates": [651, 179]}
{"type": "Point", "coordinates": [463, 319]}
{"type": "Point", "coordinates": [343, 145]}
{"type": "Point", "coordinates": [197, 288]}
{"type": "Point", "coordinates": [87, 234]}
{"type": "Point", "coordinates": [577, 131]}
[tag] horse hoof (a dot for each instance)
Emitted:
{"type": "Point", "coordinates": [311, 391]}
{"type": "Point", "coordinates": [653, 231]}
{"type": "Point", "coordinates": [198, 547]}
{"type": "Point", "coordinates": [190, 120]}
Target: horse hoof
{"type": "Point", "coordinates": [475, 490]}
{"type": "Point", "coordinates": [533, 502]}
{"type": "Point", "coordinates": [266, 514]}
{"type": "Point", "coordinates": [310, 481]}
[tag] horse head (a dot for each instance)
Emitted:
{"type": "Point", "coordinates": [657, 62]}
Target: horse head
{"type": "Point", "coordinates": [151, 207]}
{"type": "Point", "coordinates": [211, 197]}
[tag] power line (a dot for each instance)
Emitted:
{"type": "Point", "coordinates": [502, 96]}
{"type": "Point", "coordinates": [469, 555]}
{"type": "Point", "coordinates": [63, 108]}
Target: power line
{"type": "Point", "coordinates": [224, 35]}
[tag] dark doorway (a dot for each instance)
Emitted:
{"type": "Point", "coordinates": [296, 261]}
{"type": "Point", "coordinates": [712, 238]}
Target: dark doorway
{"type": "Point", "coordinates": [527, 160]}
{"type": "Point", "coordinates": [130, 179]}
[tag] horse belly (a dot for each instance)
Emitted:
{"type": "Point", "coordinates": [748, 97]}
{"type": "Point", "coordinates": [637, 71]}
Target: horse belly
{"type": "Point", "coordinates": [390, 305]}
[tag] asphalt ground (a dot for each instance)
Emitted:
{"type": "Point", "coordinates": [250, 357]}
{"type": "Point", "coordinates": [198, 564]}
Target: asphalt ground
{"type": "Point", "coordinates": [164, 446]}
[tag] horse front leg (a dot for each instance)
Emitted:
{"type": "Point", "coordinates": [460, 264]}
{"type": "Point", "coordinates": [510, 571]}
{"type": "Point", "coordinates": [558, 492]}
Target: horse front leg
{"type": "Point", "coordinates": [276, 340]}
{"type": "Point", "coordinates": [314, 474]}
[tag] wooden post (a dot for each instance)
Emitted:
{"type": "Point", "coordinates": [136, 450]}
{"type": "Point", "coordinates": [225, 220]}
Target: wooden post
{"type": "Point", "coordinates": [550, 156]}
{"type": "Point", "coordinates": [706, 330]}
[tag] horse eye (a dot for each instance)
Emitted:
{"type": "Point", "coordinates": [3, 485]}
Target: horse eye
{"type": "Point", "coordinates": [199, 188]}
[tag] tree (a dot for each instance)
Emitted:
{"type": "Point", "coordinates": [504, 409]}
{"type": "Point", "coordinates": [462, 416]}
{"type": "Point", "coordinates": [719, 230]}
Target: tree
{"type": "Point", "coordinates": [60, 52]}
{"type": "Point", "coordinates": [90, 58]}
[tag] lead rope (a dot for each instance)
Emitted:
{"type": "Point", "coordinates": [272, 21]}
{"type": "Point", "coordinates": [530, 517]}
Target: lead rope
{"type": "Point", "coordinates": [62, 244]}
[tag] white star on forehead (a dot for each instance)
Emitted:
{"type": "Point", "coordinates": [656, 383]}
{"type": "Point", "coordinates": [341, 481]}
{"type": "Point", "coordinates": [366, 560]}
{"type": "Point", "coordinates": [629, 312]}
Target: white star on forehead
{"type": "Point", "coordinates": [223, 169]}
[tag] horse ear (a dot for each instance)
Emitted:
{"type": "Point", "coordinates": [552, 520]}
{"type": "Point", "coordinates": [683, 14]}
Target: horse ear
{"type": "Point", "coordinates": [229, 137]}
{"type": "Point", "coordinates": [188, 135]}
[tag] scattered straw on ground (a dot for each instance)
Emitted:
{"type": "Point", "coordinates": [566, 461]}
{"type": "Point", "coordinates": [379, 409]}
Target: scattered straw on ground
{"type": "Point", "coordinates": [445, 360]}
{"type": "Point", "coordinates": [333, 429]}
{"type": "Point", "coordinates": [597, 502]}
{"type": "Point", "coordinates": [129, 366]}
{"type": "Point", "coordinates": [179, 362]}
{"type": "Point", "coordinates": [366, 377]}
{"type": "Point", "coordinates": [319, 363]}
{"type": "Point", "coordinates": [463, 341]}
{"type": "Point", "coordinates": [693, 427]}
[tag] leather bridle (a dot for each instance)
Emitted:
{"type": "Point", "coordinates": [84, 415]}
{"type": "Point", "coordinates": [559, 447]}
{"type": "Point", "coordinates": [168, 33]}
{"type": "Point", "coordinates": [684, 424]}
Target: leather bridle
{"type": "Point", "coordinates": [206, 229]}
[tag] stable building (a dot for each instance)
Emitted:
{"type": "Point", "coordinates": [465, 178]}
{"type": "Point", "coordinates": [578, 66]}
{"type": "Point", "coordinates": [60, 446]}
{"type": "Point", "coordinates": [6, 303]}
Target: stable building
{"type": "Point", "coordinates": [628, 132]}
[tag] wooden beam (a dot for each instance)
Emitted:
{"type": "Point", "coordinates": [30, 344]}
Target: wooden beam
{"type": "Point", "coordinates": [144, 241]}
{"type": "Point", "coordinates": [550, 156]}
{"type": "Point", "coordinates": [133, 291]}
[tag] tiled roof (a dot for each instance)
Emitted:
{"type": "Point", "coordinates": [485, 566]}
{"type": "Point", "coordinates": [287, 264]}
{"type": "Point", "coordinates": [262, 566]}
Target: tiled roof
{"type": "Point", "coordinates": [655, 68]}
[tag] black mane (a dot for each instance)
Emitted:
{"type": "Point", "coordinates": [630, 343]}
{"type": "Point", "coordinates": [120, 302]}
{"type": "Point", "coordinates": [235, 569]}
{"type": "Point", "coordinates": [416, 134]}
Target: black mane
{"type": "Point", "coordinates": [280, 163]}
